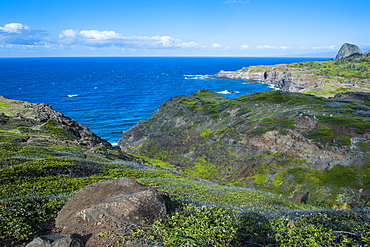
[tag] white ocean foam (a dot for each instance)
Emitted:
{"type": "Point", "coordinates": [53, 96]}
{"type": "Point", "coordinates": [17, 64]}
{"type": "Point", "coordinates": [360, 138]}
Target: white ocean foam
{"type": "Point", "coordinates": [196, 77]}
{"type": "Point", "coordinates": [228, 92]}
{"type": "Point", "coordinates": [72, 95]}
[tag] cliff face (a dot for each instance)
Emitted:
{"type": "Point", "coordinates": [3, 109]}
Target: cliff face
{"type": "Point", "coordinates": [348, 51]}
{"type": "Point", "coordinates": [276, 141]}
{"type": "Point", "coordinates": [280, 77]}
{"type": "Point", "coordinates": [54, 122]}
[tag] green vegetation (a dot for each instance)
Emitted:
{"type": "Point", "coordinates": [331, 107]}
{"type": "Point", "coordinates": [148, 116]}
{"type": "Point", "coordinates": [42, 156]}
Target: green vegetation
{"type": "Point", "coordinates": [55, 129]}
{"type": "Point", "coordinates": [214, 226]}
{"type": "Point", "coordinates": [359, 125]}
{"type": "Point", "coordinates": [205, 133]}
{"type": "Point", "coordinates": [42, 166]}
{"type": "Point", "coordinates": [219, 149]}
{"type": "Point", "coordinates": [326, 78]}
{"type": "Point", "coordinates": [342, 68]}
{"type": "Point", "coordinates": [278, 97]}
{"type": "Point", "coordinates": [323, 132]}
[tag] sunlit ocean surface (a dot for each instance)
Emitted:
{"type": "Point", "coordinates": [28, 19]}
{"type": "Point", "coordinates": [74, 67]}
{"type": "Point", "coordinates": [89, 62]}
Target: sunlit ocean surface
{"type": "Point", "coordinates": [111, 94]}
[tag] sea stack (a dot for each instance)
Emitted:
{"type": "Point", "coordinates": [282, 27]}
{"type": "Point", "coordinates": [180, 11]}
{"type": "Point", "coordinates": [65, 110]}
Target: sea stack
{"type": "Point", "coordinates": [347, 51]}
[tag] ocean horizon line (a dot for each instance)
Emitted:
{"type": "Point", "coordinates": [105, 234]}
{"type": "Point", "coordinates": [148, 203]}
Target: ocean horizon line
{"type": "Point", "coordinates": [174, 56]}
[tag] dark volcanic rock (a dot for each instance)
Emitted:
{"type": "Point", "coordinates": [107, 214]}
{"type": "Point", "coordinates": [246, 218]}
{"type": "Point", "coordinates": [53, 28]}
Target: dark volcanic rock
{"type": "Point", "coordinates": [56, 241]}
{"type": "Point", "coordinates": [114, 201]}
{"type": "Point", "coordinates": [348, 51]}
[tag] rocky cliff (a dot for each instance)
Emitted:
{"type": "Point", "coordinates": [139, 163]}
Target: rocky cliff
{"type": "Point", "coordinates": [281, 77]}
{"type": "Point", "coordinates": [277, 141]}
{"type": "Point", "coordinates": [42, 116]}
{"type": "Point", "coordinates": [350, 73]}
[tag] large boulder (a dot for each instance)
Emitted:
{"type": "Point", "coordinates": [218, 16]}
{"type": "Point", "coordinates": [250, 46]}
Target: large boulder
{"type": "Point", "coordinates": [347, 51]}
{"type": "Point", "coordinates": [56, 241]}
{"type": "Point", "coordinates": [114, 201]}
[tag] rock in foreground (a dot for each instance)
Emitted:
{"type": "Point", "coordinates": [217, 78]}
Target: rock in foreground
{"type": "Point", "coordinates": [114, 202]}
{"type": "Point", "coordinates": [56, 241]}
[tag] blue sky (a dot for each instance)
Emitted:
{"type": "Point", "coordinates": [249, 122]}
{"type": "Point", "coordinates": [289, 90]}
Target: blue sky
{"type": "Point", "coordinates": [181, 28]}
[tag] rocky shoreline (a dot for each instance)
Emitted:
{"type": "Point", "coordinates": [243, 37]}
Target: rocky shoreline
{"type": "Point", "coordinates": [297, 78]}
{"type": "Point", "coordinates": [280, 77]}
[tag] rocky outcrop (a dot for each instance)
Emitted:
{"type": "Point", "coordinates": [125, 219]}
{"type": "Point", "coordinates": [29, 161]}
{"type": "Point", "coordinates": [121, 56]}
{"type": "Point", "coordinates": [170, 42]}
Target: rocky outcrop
{"type": "Point", "coordinates": [348, 51]}
{"type": "Point", "coordinates": [44, 112]}
{"type": "Point", "coordinates": [113, 202]}
{"type": "Point", "coordinates": [45, 117]}
{"type": "Point", "coordinates": [279, 77]}
{"type": "Point", "coordinates": [56, 241]}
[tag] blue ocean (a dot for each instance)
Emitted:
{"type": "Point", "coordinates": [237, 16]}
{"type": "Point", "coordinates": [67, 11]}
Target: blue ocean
{"type": "Point", "coordinates": [111, 94]}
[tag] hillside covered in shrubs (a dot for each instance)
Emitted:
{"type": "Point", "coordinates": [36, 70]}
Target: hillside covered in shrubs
{"type": "Point", "coordinates": [264, 169]}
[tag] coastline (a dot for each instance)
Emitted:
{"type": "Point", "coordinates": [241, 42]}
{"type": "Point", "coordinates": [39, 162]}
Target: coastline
{"type": "Point", "coordinates": [320, 78]}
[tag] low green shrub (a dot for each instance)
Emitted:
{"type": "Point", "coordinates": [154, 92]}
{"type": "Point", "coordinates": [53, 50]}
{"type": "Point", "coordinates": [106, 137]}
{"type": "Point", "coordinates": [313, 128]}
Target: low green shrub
{"type": "Point", "coordinates": [322, 133]}
{"type": "Point", "coordinates": [197, 226]}
{"type": "Point", "coordinates": [19, 216]}
{"type": "Point", "coordinates": [193, 225]}
{"type": "Point", "coordinates": [55, 129]}
{"type": "Point", "coordinates": [359, 125]}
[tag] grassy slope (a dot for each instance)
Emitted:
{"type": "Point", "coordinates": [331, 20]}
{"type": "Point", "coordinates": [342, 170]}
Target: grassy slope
{"type": "Point", "coordinates": [41, 166]}
{"type": "Point", "coordinates": [214, 138]}
{"type": "Point", "coordinates": [326, 78]}
{"type": "Point", "coordinates": [346, 75]}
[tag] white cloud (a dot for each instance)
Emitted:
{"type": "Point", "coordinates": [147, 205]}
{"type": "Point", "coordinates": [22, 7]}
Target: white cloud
{"type": "Point", "coordinates": [68, 33]}
{"type": "Point", "coordinates": [166, 41]}
{"type": "Point", "coordinates": [324, 47]}
{"type": "Point", "coordinates": [265, 47]}
{"type": "Point", "coordinates": [14, 28]}
{"type": "Point", "coordinates": [95, 38]}
{"type": "Point", "coordinates": [67, 36]}
{"type": "Point", "coordinates": [189, 44]}
{"type": "Point", "coordinates": [19, 34]}
{"type": "Point", "coordinates": [236, 1]}
{"type": "Point", "coordinates": [243, 47]}
{"type": "Point", "coordinates": [285, 47]}
{"type": "Point", "coordinates": [100, 35]}
{"type": "Point", "coordinates": [215, 45]}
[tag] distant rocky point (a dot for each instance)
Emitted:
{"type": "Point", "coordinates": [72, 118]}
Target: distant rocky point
{"type": "Point", "coordinates": [320, 78]}
{"type": "Point", "coordinates": [348, 51]}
